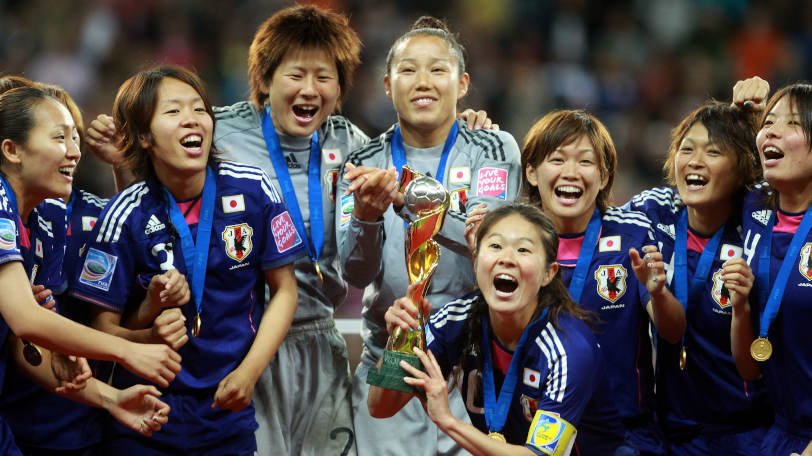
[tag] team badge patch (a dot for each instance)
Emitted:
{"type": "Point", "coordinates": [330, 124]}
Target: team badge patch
{"type": "Point", "coordinates": [38, 248]}
{"type": "Point", "coordinates": [805, 265]}
{"type": "Point", "coordinates": [233, 203]}
{"type": "Point", "coordinates": [492, 182]}
{"type": "Point", "coordinates": [550, 434]}
{"type": "Point", "coordinates": [347, 204]}
{"type": "Point", "coordinates": [284, 232]}
{"type": "Point", "coordinates": [331, 182]}
{"type": "Point", "coordinates": [238, 240]}
{"type": "Point", "coordinates": [529, 407]}
{"type": "Point", "coordinates": [609, 244]}
{"type": "Point", "coordinates": [458, 200]}
{"type": "Point", "coordinates": [331, 157]}
{"type": "Point", "coordinates": [98, 269]}
{"type": "Point", "coordinates": [611, 281]}
{"type": "Point", "coordinates": [88, 223]}
{"type": "Point", "coordinates": [460, 175]}
{"type": "Point", "coordinates": [8, 234]}
{"type": "Point", "coordinates": [720, 294]}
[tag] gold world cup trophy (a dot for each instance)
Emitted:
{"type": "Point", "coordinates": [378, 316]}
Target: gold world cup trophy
{"type": "Point", "coordinates": [425, 202]}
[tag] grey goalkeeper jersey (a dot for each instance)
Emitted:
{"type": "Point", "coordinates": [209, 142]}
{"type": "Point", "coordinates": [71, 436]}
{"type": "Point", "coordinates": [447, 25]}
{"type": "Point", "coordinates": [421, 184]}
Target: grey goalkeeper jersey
{"type": "Point", "coordinates": [238, 135]}
{"type": "Point", "coordinates": [483, 166]}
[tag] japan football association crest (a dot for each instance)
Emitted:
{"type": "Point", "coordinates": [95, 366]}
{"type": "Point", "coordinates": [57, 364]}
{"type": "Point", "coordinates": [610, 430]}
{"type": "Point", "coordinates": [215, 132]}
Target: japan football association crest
{"type": "Point", "coordinates": [529, 407]}
{"type": "Point", "coordinates": [331, 182]}
{"type": "Point", "coordinates": [720, 294]}
{"type": "Point", "coordinates": [238, 240]}
{"type": "Point", "coordinates": [458, 200]}
{"type": "Point", "coordinates": [611, 280]}
{"type": "Point", "coordinates": [805, 265]}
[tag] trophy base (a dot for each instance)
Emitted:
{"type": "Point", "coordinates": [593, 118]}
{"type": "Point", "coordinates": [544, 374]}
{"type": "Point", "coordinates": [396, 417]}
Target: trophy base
{"type": "Point", "coordinates": [390, 374]}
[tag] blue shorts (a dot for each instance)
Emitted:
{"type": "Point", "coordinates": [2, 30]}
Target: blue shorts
{"type": "Point", "coordinates": [780, 440]}
{"type": "Point", "coordinates": [744, 443]}
{"type": "Point", "coordinates": [646, 437]}
{"type": "Point", "coordinates": [193, 428]}
{"type": "Point", "coordinates": [7, 445]}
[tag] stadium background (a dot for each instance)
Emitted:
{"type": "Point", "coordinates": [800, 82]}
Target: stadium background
{"type": "Point", "coordinates": [640, 65]}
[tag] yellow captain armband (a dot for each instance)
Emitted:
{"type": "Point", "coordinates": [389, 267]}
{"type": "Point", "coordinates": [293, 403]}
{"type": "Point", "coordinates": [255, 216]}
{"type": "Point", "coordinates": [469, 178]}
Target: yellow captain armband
{"type": "Point", "coordinates": [550, 434]}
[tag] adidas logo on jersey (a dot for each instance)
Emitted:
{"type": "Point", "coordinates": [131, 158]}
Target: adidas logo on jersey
{"type": "Point", "coordinates": [667, 229]}
{"type": "Point", "coordinates": [762, 216]}
{"type": "Point", "coordinates": [290, 159]}
{"type": "Point", "coordinates": [153, 225]}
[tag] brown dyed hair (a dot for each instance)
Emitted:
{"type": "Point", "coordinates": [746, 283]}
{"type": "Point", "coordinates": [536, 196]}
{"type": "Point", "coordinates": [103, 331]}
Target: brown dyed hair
{"type": "Point", "coordinates": [559, 128]}
{"type": "Point", "coordinates": [297, 28]}
{"type": "Point", "coordinates": [133, 110]}
{"type": "Point", "coordinates": [730, 128]}
{"type": "Point", "coordinates": [12, 81]}
{"type": "Point", "coordinates": [62, 95]}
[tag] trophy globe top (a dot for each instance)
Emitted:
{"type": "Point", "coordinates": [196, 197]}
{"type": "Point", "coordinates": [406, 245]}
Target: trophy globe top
{"type": "Point", "coordinates": [425, 195]}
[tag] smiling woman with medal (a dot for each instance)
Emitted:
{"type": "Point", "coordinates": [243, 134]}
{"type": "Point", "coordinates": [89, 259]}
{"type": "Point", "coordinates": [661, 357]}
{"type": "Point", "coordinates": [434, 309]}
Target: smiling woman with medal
{"type": "Point", "coordinates": [425, 78]}
{"type": "Point", "coordinates": [569, 161]}
{"type": "Point", "coordinates": [300, 66]}
{"type": "Point", "coordinates": [711, 163]}
{"type": "Point", "coordinates": [235, 236]}
{"type": "Point", "coordinates": [40, 150]}
{"type": "Point", "coordinates": [540, 363]}
{"type": "Point", "coordinates": [772, 336]}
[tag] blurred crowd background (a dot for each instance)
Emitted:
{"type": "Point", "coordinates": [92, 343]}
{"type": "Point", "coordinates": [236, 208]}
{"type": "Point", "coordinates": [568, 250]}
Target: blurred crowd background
{"type": "Point", "coordinates": [640, 65]}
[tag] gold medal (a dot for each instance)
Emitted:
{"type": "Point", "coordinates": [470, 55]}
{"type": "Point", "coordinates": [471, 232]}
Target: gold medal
{"type": "Point", "coordinates": [318, 271]}
{"type": "Point", "coordinates": [761, 349]}
{"type": "Point", "coordinates": [683, 358]}
{"type": "Point", "coordinates": [497, 436]}
{"type": "Point", "coordinates": [196, 326]}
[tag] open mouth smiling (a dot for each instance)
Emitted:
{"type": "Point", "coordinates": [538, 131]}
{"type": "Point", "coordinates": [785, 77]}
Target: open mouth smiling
{"type": "Point", "coordinates": [505, 284]}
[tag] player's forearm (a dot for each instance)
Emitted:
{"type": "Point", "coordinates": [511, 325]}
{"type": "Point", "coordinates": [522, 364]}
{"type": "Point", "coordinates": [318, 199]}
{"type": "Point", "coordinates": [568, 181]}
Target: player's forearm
{"type": "Point", "coordinates": [275, 323]}
{"type": "Point", "coordinates": [668, 316]}
{"type": "Point", "coordinates": [43, 376]}
{"type": "Point", "coordinates": [360, 251]}
{"type": "Point", "coordinates": [143, 317]}
{"type": "Point", "coordinates": [476, 442]}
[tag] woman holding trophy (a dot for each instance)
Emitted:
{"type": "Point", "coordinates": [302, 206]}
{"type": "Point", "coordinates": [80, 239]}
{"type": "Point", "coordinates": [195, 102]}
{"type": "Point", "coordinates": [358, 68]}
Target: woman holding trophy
{"type": "Point", "coordinates": [425, 78]}
{"type": "Point", "coordinates": [533, 345]}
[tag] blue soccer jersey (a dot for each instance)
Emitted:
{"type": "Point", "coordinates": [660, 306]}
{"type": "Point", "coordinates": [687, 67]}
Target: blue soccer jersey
{"type": "Point", "coordinates": [39, 418]}
{"type": "Point", "coordinates": [15, 245]}
{"type": "Point", "coordinates": [559, 371]}
{"type": "Point", "coordinates": [720, 400]}
{"type": "Point", "coordinates": [612, 291]}
{"type": "Point", "coordinates": [135, 240]}
{"type": "Point", "coordinates": [788, 372]}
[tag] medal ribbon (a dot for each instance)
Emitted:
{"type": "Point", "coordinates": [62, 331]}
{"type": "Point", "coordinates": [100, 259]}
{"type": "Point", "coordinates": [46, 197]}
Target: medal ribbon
{"type": "Point", "coordinates": [196, 254]}
{"type": "Point", "coordinates": [399, 153]}
{"type": "Point", "coordinates": [496, 409]}
{"type": "Point", "coordinates": [773, 296]}
{"type": "Point", "coordinates": [576, 287]}
{"type": "Point", "coordinates": [315, 241]}
{"type": "Point", "coordinates": [68, 211]}
{"type": "Point", "coordinates": [683, 293]}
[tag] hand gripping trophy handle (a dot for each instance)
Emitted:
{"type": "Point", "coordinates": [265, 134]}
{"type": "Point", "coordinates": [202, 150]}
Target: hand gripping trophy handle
{"type": "Point", "coordinates": [425, 205]}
